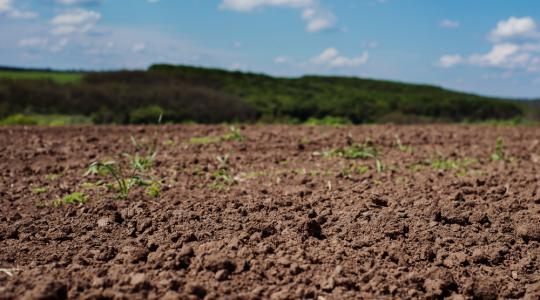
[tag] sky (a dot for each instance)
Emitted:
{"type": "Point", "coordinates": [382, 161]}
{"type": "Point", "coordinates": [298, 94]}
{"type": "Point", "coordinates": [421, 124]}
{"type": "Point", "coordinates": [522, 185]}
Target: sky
{"type": "Point", "coordinates": [489, 47]}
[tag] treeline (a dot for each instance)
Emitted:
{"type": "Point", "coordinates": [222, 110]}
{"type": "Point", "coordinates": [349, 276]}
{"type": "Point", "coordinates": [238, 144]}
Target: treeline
{"type": "Point", "coordinates": [181, 94]}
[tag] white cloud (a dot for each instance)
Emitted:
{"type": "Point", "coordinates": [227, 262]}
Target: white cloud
{"type": "Point", "coordinates": [7, 9]}
{"type": "Point", "coordinates": [77, 2]}
{"type": "Point", "coordinates": [448, 61]}
{"type": "Point", "coordinates": [138, 47]}
{"type": "Point", "coordinates": [316, 17]}
{"type": "Point", "coordinates": [331, 58]}
{"type": "Point", "coordinates": [500, 55]}
{"type": "Point", "coordinates": [447, 23]}
{"type": "Point", "coordinates": [515, 28]}
{"type": "Point", "coordinates": [75, 21]}
{"type": "Point", "coordinates": [282, 59]}
{"type": "Point", "coordinates": [249, 5]}
{"type": "Point", "coordinates": [512, 48]}
{"type": "Point", "coordinates": [5, 6]}
{"type": "Point", "coordinates": [33, 42]}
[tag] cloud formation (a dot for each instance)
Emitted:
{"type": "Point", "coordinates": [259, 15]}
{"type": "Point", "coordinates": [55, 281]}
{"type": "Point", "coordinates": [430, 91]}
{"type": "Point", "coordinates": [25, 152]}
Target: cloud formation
{"type": "Point", "coordinates": [447, 23]}
{"type": "Point", "coordinates": [515, 28]}
{"type": "Point", "coordinates": [8, 10]}
{"type": "Point", "coordinates": [74, 21]}
{"type": "Point", "coordinates": [330, 57]}
{"type": "Point", "coordinates": [316, 17]}
{"type": "Point", "coordinates": [515, 45]}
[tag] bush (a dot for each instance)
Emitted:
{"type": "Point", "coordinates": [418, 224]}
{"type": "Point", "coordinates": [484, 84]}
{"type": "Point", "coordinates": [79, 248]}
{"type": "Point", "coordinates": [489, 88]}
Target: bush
{"type": "Point", "coordinates": [146, 115]}
{"type": "Point", "coordinates": [19, 119]}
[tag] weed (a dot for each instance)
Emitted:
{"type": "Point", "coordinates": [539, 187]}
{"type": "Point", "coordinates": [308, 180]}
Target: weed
{"type": "Point", "coordinates": [204, 140]}
{"type": "Point", "coordinates": [154, 189]}
{"type": "Point", "coordinates": [169, 142]}
{"type": "Point", "coordinates": [222, 177]}
{"type": "Point", "coordinates": [52, 177]}
{"type": "Point", "coordinates": [379, 166]}
{"type": "Point", "coordinates": [357, 151]}
{"type": "Point", "coordinates": [123, 181]}
{"type": "Point", "coordinates": [416, 167]}
{"type": "Point", "coordinates": [234, 134]}
{"type": "Point", "coordinates": [130, 173]}
{"type": "Point", "coordinates": [39, 190]}
{"type": "Point", "coordinates": [461, 166]}
{"type": "Point", "coordinates": [401, 147]}
{"type": "Point", "coordinates": [143, 159]}
{"type": "Point", "coordinates": [499, 153]}
{"type": "Point", "coordinates": [366, 150]}
{"type": "Point", "coordinates": [71, 199]}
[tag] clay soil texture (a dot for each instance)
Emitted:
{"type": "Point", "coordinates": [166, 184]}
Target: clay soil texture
{"type": "Point", "coordinates": [270, 212]}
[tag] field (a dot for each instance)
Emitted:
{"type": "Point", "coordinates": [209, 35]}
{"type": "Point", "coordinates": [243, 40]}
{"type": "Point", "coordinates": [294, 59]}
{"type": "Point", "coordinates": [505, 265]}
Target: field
{"type": "Point", "coordinates": [279, 212]}
{"type": "Point", "coordinates": [58, 77]}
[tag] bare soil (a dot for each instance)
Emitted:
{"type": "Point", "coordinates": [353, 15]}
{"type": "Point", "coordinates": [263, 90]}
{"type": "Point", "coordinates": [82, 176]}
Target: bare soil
{"type": "Point", "coordinates": [280, 216]}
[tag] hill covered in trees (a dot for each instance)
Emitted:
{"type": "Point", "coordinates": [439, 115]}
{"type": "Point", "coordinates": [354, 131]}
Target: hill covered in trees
{"type": "Point", "coordinates": [182, 93]}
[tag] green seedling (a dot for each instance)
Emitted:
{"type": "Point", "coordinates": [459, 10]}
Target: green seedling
{"type": "Point", "coordinates": [357, 151]}
{"type": "Point", "coordinates": [39, 190]}
{"type": "Point", "coordinates": [234, 134]}
{"type": "Point", "coordinates": [223, 176]}
{"type": "Point", "coordinates": [52, 177]}
{"type": "Point", "coordinates": [130, 173]}
{"type": "Point", "coordinates": [379, 166]}
{"type": "Point", "coordinates": [169, 142]}
{"type": "Point", "coordinates": [71, 199]}
{"type": "Point", "coordinates": [143, 159]}
{"type": "Point", "coordinates": [401, 147]}
{"type": "Point", "coordinates": [154, 189]}
{"type": "Point", "coordinates": [499, 153]}
{"type": "Point", "coordinates": [123, 181]}
{"type": "Point", "coordinates": [416, 167]}
{"type": "Point", "coordinates": [461, 166]}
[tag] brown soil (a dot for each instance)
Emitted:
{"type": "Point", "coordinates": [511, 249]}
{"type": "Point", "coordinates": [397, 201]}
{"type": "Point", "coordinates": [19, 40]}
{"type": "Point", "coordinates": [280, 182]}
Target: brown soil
{"type": "Point", "coordinates": [290, 220]}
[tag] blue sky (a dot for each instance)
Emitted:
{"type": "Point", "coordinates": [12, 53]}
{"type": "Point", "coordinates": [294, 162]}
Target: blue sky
{"type": "Point", "coordinates": [483, 46]}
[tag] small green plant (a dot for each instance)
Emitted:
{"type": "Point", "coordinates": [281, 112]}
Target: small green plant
{"type": "Point", "coordinates": [357, 151]}
{"type": "Point", "coordinates": [460, 166]}
{"type": "Point", "coordinates": [401, 147]}
{"type": "Point", "coordinates": [39, 190]}
{"type": "Point", "coordinates": [234, 134]}
{"type": "Point", "coordinates": [123, 182]}
{"type": "Point", "coordinates": [222, 177]}
{"type": "Point", "coordinates": [130, 171]}
{"type": "Point", "coordinates": [366, 150]}
{"type": "Point", "coordinates": [144, 157]}
{"type": "Point", "coordinates": [71, 199]}
{"type": "Point", "coordinates": [154, 189]}
{"type": "Point", "coordinates": [499, 153]}
{"type": "Point", "coordinates": [52, 177]}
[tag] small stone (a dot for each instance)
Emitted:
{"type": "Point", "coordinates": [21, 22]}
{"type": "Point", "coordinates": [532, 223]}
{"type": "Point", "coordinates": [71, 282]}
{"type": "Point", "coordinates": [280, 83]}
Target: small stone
{"type": "Point", "coordinates": [378, 200]}
{"type": "Point", "coordinates": [186, 251]}
{"type": "Point", "coordinates": [313, 228]}
{"type": "Point", "coordinates": [137, 279]}
{"type": "Point", "coordinates": [514, 275]}
{"type": "Point", "coordinates": [103, 222]}
{"type": "Point", "coordinates": [221, 275]}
